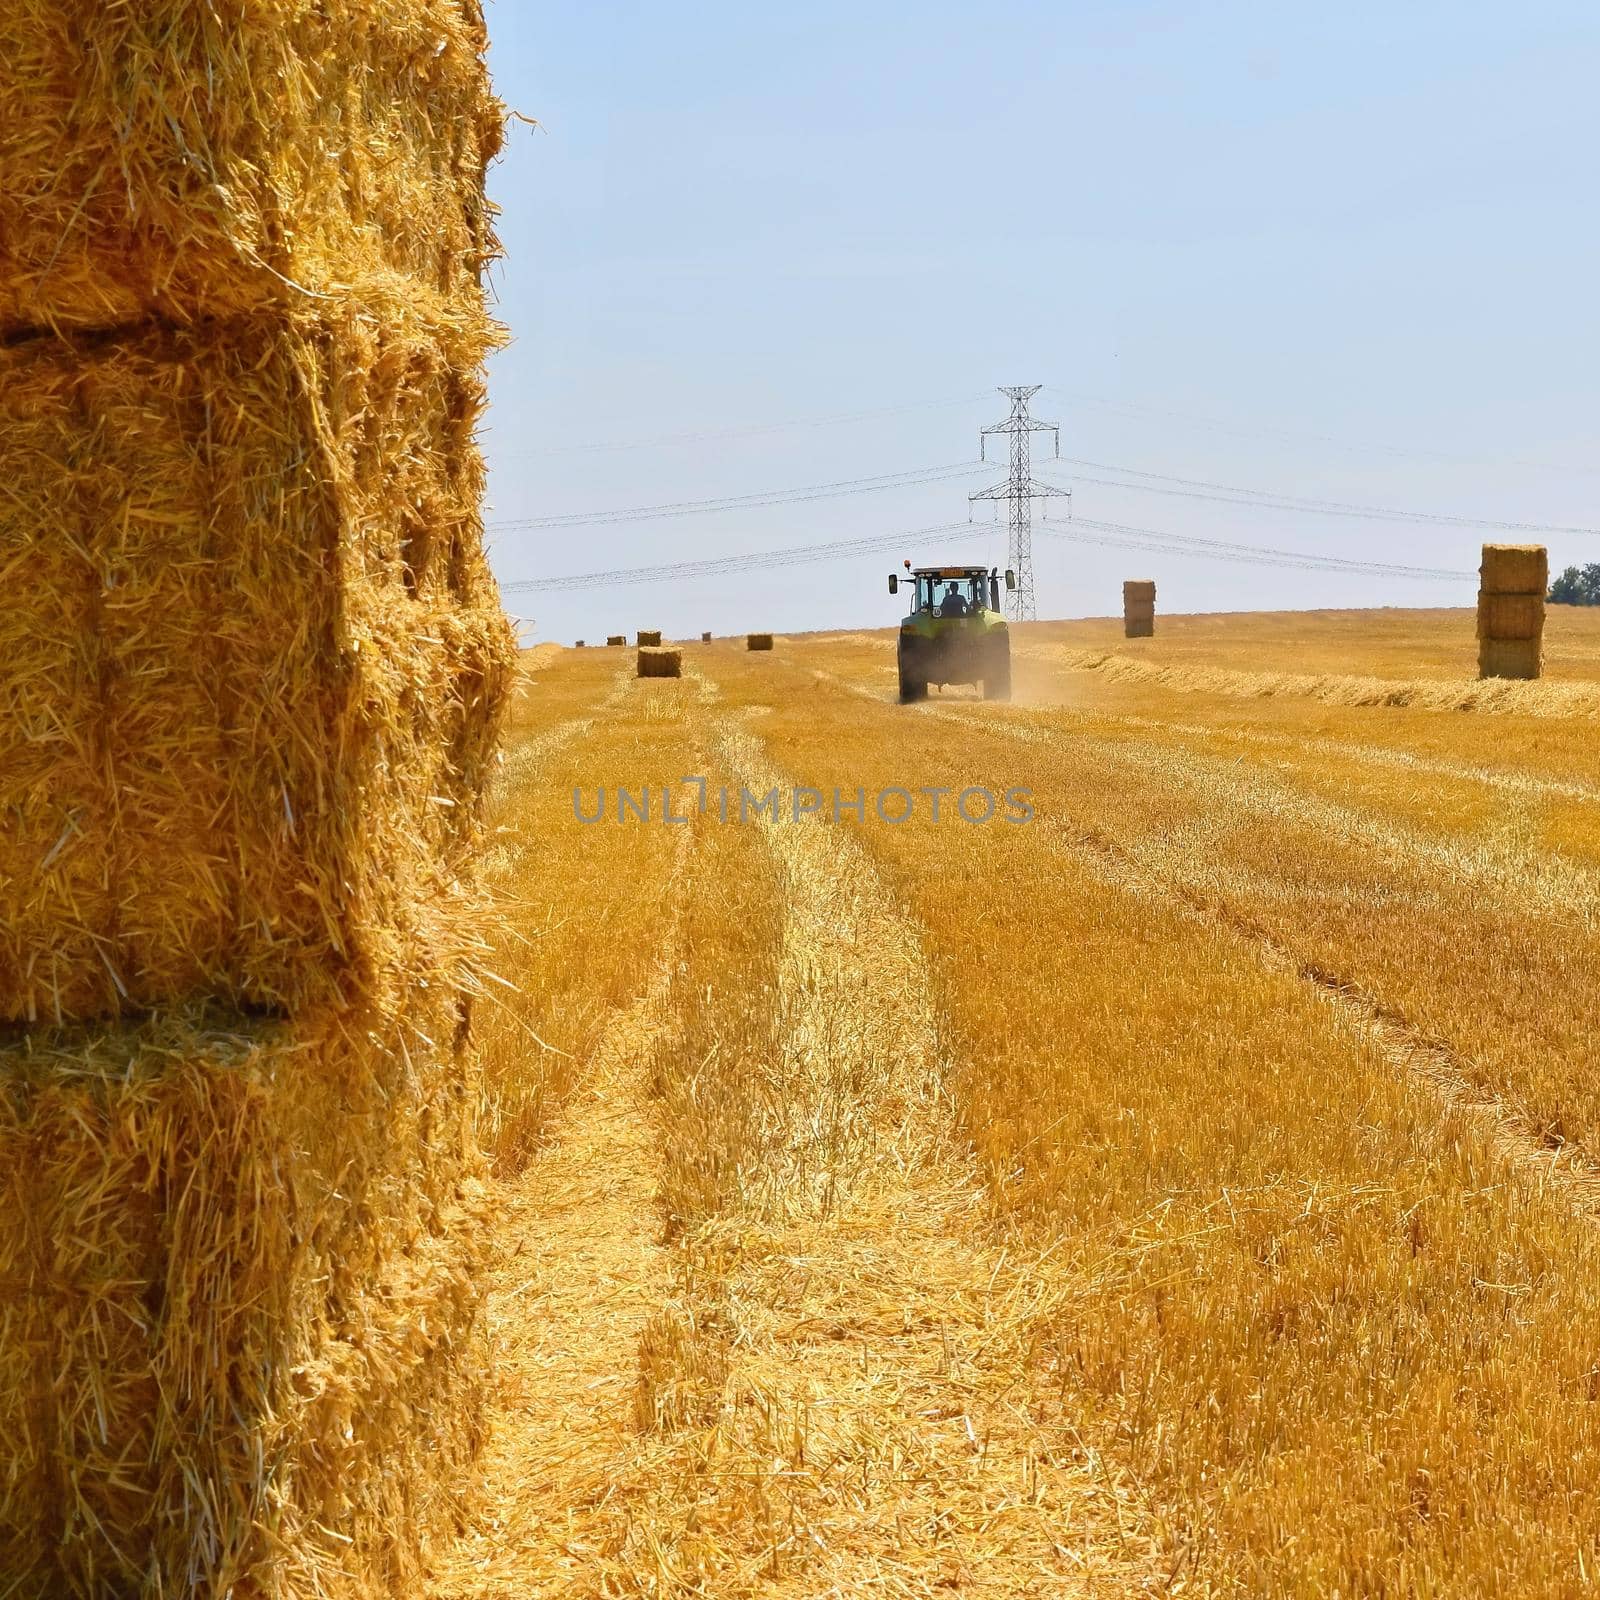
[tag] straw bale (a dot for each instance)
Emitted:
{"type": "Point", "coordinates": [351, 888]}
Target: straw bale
{"type": "Point", "coordinates": [660, 663]}
{"type": "Point", "coordinates": [705, 638]}
{"type": "Point", "coordinates": [1510, 616]}
{"type": "Point", "coordinates": [1139, 627]}
{"type": "Point", "coordinates": [1139, 589]}
{"type": "Point", "coordinates": [253, 658]}
{"type": "Point", "coordinates": [650, 638]}
{"type": "Point", "coordinates": [758, 641]}
{"type": "Point", "coordinates": [616, 638]}
{"type": "Point", "coordinates": [1514, 569]}
{"type": "Point", "coordinates": [182, 161]}
{"type": "Point", "coordinates": [577, 644]}
{"type": "Point", "coordinates": [1510, 658]}
{"type": "Point", "coordinates": [237, 1323]}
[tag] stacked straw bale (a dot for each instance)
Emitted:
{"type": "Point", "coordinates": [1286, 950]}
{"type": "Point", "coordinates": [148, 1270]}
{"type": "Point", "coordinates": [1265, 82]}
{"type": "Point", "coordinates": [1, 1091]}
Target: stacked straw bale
{"type": "Point", "coordinates": [705, 638]}
{"type": "Point", "coordinates": [650, 638]}
{"type": "Point", "coordinates": [660, 663]}
{"type": "Point", "coordinates": [758, 641]}
{"type": "Point", "coordinates": [616, 638]}
{"type": "Point", "coordinates": [1138, 608]}
{"type": "Point", "coordinates": [252, 670]}
{"type": "Point", "coordinates": [1513, 582]}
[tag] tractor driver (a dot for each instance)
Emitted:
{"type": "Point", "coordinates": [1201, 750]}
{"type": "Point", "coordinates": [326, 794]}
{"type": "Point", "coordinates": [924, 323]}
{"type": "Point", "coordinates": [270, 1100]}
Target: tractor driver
{"type": "Point", "coordinates": [953, 604]}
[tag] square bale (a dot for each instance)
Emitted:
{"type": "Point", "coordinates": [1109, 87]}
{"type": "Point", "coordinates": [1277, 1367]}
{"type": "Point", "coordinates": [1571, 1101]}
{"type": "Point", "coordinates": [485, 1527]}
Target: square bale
{"type": "Point", "coordinates": [252, 659]}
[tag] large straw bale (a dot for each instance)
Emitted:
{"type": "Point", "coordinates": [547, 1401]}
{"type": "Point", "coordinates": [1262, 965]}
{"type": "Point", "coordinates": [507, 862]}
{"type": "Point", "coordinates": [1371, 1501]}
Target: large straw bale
{"type": "Point", "coordinates": [1514, 569]}
{"type": "Point", "coordinates": [1510, 658]}
{"type": "Point", "coordinates": [1139, 589]}
{"type": "Point", "coordinates": [758, 641]}
{"type": "Point", "coordinates": [253, 658]}
{"type": "Point", "coordinates": [650, 638]}
{"type": "Point", "coordinates": [185, 161]}
{"type": "Point", "coordinates": [616, 638]}
{"type": "Point", "coordinates": [660, 664]}
{"type": "Point", "coordinates": [237, 1322]}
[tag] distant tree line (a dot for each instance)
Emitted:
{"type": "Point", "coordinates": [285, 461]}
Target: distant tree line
{"type": "Point", "coordinates": [1577, 586]}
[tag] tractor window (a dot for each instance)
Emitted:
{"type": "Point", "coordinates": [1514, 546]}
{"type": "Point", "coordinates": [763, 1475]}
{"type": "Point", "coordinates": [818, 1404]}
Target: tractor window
{"type": "Point", "coordinates": [952, 597]}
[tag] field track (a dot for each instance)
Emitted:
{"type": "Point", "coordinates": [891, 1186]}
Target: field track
{"type": "Point", "coordinates": [1189, 1190]}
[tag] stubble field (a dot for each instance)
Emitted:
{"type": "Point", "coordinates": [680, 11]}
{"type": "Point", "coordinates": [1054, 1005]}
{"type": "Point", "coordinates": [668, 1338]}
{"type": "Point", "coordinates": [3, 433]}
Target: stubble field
{"type": "Point", "coordinates": [1190, 1189]}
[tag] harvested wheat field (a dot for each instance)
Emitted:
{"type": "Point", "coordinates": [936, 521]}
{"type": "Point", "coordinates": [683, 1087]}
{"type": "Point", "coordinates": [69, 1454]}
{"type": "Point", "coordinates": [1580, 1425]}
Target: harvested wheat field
{"type": "Point", "coordinates": [1189, 1188]}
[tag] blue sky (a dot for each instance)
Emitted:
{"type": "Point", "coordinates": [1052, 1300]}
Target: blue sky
{"type": "Point", "coordinates": [1347, 252]}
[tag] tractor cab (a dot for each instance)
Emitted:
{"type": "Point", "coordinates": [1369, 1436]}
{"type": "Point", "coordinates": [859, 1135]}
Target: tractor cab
{"type": "Point", "coordinates": [954, 632]}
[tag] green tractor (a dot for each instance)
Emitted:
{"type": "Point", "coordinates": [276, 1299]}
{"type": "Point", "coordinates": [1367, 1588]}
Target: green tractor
{"type": "Point", "coordinates": [955, 633]}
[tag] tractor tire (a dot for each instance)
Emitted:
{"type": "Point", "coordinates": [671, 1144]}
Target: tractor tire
{"type": "Point", "coordinates": [997, 681]}
{"type": "Point", "coordinates": [912, 688]}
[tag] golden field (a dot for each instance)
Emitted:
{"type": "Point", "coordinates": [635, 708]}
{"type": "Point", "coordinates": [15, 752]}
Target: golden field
{"type": "Point", "coordinates": [1189, 1190]}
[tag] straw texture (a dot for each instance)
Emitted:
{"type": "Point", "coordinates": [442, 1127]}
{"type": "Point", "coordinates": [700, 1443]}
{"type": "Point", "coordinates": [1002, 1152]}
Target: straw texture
{"type": "Point", "coordinates": [185, 161]}
{"type": "Point", "coordinates": [253, 657]}
{"type": "Point", "coordinates": [758, 641]}
{"type": "Point", "coordinates": [238, 1315]}
{"type": "Point", "coordinates": [650, 637]}
{"type": "Point", "coordinates": [1138, 608]}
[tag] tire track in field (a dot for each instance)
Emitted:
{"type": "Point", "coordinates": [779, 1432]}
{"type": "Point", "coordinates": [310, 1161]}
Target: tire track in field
{"type": "Point", "coordinates": [854, 1340]}
{"type": "Point", "coordinates": [576, 1267]}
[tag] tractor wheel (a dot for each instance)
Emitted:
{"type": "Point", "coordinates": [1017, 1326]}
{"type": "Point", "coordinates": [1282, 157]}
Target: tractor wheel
{"type": "Point", "coordinates": [911, 686]}
{"type": "Point", "coordinates": [997, 683]}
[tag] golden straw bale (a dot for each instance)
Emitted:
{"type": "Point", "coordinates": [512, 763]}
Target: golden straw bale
{"type": "Point", "coordinates": [660, 664]}
{"type": "Point", "coordinates": [252, 660]}
{"type": "Point", "coordinates": [1514, 569]}
{"type": "Point", "coordinates": [1139, 589]}
{"type": "Point", "coordinates": [237, 1324]}
{"type": "Point", "coordinates": [650, 638]}
{"type": "Point", "coordinates": [616, 638]}
{"type": "Point", "coordinates": [1510, 616]}
{"type": "Point", "coordinates": [705, 638]}
{"type": "Point", "coordinates": [1510, 658]}
{"type": "Point", "coordinates": [758, 641]}
{"type": "Point", "coordinates": [186, 161]}
{"type": "Point", "coordinates": [1138, 627]}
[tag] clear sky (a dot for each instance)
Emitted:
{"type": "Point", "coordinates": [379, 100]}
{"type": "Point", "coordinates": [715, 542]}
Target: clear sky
{"type": "Point", "coordinates": [1350, 252]}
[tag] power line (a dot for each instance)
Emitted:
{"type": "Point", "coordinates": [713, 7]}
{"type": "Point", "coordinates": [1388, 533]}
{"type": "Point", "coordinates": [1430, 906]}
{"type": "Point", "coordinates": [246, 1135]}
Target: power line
{"type": "Point", "coordinates": [1082, 530]}
{"type": "Point", "coordinates": [742, 561]}
{"type": "Point", "coordinates": [742, 502]}
{"type": "Point", "coordinates": [1122, 536]}
{"type": "Point", "coordinates": [1231, 494]}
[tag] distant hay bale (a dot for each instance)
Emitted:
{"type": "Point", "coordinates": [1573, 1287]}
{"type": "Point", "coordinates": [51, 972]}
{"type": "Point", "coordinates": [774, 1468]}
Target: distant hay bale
{"type": "Point", "coordinates": [1513, 582]}
{"type": "Point", "coordinates": [252, 659]}
{"type": "Point", "coordinates": [650, 639]}
{"type": "Point", "coordinates": [199, 162]}
{"type": "Point", "coordinates": [705, 638]}
{"type": "Point", "coordinates": [616, 638]}
{"type": "Point", "coordinates": [1138, 608]}
{"type": "Point", "coordinates": [244, 1357]}
{"type": "Point", "coordinates": [758, 641]}
{"type": "Point", "coordinates": [660, 664]}
{"type": "Point", "coordinates": [577, 644]}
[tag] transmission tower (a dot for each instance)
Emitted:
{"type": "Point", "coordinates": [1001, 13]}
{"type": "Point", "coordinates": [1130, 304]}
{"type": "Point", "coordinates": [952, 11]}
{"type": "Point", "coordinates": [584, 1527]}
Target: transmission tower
{"type": "Point", "coordinates": [1021, 490]}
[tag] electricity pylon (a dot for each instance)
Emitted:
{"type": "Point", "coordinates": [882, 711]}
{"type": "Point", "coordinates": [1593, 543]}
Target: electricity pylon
{"type": "Point", "coordinates": [1021, 490]}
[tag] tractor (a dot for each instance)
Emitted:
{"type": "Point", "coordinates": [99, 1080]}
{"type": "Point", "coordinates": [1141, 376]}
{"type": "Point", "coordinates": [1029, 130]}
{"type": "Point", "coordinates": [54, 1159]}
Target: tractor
{"type": "Point", "coordinates": [954, 633]}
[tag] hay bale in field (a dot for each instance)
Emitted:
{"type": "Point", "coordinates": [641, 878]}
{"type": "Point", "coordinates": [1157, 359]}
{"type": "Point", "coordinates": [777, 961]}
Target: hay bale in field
{"type": "Point", "coordinates": [1138, 608]}
{"type": "Point", "coordinates": [252, 659]}
{"type": "Point", "coordinates": [758, 641]}
{"type": "Point", "coordinates": [705, 638]}
{"type": "Point", "coordinates": [650, 639]}
{"type": "Point", "coordinates": [616, 638]}
{"type": "Point", "coordinates": [578, 644]}
{"type": "Point", "coordinates": [238, 1346]}
{"type": "Point", "coordinates": [660, 664]}
{"type": "Point", "coordinates": [1513, 582]}
{"type": "Point", "coordinates": [189, 162]}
